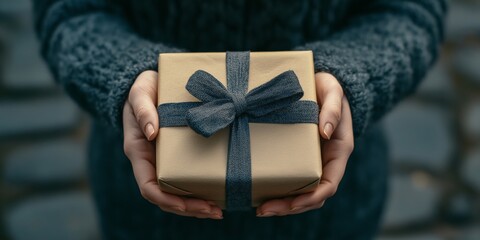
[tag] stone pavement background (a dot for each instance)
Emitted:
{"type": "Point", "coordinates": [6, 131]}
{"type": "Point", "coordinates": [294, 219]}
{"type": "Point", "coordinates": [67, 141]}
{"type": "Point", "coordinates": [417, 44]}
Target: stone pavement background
{"type": "Point", "coordinates": [434, 136]}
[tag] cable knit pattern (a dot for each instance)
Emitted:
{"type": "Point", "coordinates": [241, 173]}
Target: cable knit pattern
{"type": "Point", "coordinates": [95, 55]}
{"type": "Point", "coordinates": [394, 43]}
{"type": "Point", "coordinates": [379, 50]}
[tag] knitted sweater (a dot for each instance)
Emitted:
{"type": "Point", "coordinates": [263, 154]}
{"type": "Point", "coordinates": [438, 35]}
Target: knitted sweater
{"type": "Point", "coordinates": [379, 50]}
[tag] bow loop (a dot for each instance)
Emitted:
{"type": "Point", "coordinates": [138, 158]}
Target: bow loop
{"type": "Point", "coordinates": [206, 87]}
{"type": "Point", "coordinates": [276, 94]}
{"type": "Point", "coordinates": [210, 117]}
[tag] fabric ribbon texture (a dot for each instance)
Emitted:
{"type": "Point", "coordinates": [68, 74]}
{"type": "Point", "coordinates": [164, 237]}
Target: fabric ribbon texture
{"type": "Point", "coordinates": [276, 101]}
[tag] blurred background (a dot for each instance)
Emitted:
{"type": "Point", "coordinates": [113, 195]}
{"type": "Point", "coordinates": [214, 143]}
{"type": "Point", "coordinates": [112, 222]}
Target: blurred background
{"type": "Point", "coordinates": [434, 136]}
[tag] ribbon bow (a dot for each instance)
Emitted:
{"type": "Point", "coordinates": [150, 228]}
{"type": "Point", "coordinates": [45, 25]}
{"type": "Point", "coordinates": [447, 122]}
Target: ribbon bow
{"type": "Point", "coordinates": [220, 107]}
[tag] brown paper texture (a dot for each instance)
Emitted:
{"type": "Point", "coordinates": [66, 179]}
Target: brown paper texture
{"type": "Point", "coordinates": [285, 158]}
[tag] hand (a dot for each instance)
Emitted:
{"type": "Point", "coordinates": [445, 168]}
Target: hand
{"type": "Point", "coordinates": [335, 128]}
{"type": "Point", "coordinates": [140, 125]}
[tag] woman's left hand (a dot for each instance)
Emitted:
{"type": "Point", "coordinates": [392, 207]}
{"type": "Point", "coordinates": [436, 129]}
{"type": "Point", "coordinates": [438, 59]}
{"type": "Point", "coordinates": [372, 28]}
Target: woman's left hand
{"type": "Point", "coordinates": [335, 126]}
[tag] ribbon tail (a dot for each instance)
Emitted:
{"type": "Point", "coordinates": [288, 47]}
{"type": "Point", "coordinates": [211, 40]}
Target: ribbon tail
{"type": "Point", "coordinates": [238, 183]}
{"type": "Point", "coordinates": [304, 111]}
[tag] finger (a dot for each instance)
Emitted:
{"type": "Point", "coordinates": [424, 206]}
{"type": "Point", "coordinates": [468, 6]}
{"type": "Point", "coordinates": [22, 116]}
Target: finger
{"type": "Point", "coordinates": [329, 95]}
{"type": "Point", "coordinates": [306, 209]}
{"type": "Point", "coordinates": [135, 144]}
{"type": "Point", "coordinates": [136, 147]}
{"type": "Point", "coordinates": [334, 159]}
{"type": "Point", "coordinates": [200, 208]}
{"type": "Point", "coordinates": [143, 98]}
{"type": "Point", "coordinates": [212, 203]}
{"type": "Point", "coordinates": [141, 155]}
{"type": "Point", "coordinates": [345, 133]}
{"type": "Point", "coordinates": [194, 208]}
{"type": "Point", "coordinates": [190, 214]}
{"type": "Point", "coordinates": [175, 211]}
{"type": "Point", "coordinates": [275, 207]}
{"type": "Point", "coordinates": [144, 173]}
{"type": "Point", "coordinates": [312, 200]}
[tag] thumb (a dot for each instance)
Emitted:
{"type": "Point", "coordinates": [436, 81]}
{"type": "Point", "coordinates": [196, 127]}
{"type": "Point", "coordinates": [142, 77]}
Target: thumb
{"type": "Point", "coordinates": [143, 98]}
{"type": "Point", "coordinates": [329, 95]}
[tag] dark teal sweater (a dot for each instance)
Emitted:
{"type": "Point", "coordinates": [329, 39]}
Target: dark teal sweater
{"type": "Point", "coordinates": [378, 50]}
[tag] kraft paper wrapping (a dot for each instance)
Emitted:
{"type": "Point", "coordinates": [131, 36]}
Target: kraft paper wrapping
{"type": "Point", "coordinates": [285, 158]}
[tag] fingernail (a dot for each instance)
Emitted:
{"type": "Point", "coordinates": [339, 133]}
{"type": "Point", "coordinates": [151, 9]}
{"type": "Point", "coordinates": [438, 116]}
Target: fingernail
{"type": "Point", "coordinates": [216, 212]}
{"type": "Point", "coordinates": [149, 131]}
{"type": "Point", "coordinates": [327, 129]}
{"type": "Point", "coordinates": [296, 208]}
{"type": "Point", "coordinates": [266, 214]}
{"type": "Point", "coordinates": [179, 209]}
{"type": "Point", "coordinates": [206, 211]}
{"type": "Point", "coordinates": [215, 216]}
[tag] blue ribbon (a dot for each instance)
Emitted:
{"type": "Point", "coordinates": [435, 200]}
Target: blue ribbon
{"type": "Point", "coordinates": [276, 101]}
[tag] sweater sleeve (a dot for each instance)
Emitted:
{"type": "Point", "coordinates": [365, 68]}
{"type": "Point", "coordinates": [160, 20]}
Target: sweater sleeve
{"type": "Point", "coordinates": [93, 54]}
{"type": "Point", "coordinates": [381, 53]}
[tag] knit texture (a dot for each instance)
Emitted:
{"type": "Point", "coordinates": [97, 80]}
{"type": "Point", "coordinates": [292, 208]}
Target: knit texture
{"type": "Point", "coordinates": [379, 50]}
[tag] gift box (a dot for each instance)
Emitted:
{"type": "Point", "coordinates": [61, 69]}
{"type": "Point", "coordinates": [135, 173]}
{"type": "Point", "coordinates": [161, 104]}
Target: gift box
{"type": "Point", "coordinates": [237, 128]}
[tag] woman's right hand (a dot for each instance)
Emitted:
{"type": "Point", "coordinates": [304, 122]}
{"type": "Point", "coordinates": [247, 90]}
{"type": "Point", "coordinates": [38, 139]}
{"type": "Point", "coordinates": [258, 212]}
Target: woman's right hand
{"type": "Point", "coordinates": [140, 127]}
